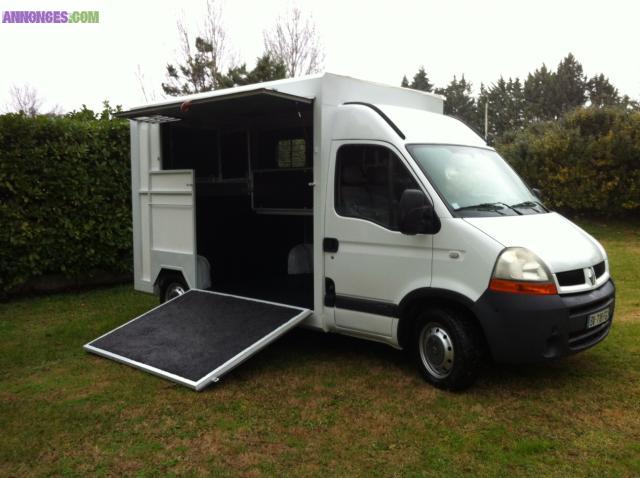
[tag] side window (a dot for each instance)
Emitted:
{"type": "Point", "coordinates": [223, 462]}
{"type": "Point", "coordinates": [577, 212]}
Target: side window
{"type": "Point", "coordinates": [291, 153]}
{"type": "Point", "coordinates": [370, 180]}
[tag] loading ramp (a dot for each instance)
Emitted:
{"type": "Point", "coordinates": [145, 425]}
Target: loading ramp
{"type": "Point", "coordinates": [197, 337]}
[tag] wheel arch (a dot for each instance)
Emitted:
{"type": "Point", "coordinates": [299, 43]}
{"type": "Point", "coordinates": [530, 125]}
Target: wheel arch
{"type": "Point", "coordinates": [164, 274]}
{"type": "Point", "coordinates": [419, 299]}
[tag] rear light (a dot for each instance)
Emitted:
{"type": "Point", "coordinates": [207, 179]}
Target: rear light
{"type": "Point", "coordinates": [523, 287]}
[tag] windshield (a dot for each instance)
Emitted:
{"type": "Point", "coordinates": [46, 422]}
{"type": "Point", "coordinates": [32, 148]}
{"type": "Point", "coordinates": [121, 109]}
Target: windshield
{"type": "Point", "coordinates": [475, 181]}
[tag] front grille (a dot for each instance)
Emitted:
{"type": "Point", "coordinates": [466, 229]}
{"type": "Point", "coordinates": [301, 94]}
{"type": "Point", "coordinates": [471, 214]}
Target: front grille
{"type": "Point", "coordinates": [599, 269]}
{"type": "Point", "coordinates": [574, 277]}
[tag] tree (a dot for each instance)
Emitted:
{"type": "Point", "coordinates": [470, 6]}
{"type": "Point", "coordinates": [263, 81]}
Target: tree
{"type": "Point", "coordinates": [459, 102]}
{"type": "Point", "coordinates": [629, 103]}
{"type": "Point", "coordinates": [404, 83]}
{"type": "Point", "coordinates": [294, 41]}
{"type": "Point", "coordinates": [421, 81]}
{"type": "Point", "coordinates": [516, 104]}
{"type": "Point", "coordinates": [570, 85]}
{"type": "Point", "coordinates": [506, 102]}
{"type": "Point", "coordinates": [551, 94]}
{"type": "Point", "coordinates": [200, 64]}
{"type": "Point", "coordinates": [601, 92]}
{"type": "Point", "coordinates": [539, 91]}
{"type": "Point", "coordinates": [24, 99]}
{"type": "Point", "coordinates": [266, 69]}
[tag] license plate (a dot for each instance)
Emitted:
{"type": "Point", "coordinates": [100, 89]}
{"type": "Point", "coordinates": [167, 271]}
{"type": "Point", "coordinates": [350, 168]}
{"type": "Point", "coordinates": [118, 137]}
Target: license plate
{"type": "Point", "coordinates": [598, 318]}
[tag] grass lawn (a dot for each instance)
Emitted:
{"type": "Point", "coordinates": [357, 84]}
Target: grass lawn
{"type": "Point", "coordinates": [312, 404]}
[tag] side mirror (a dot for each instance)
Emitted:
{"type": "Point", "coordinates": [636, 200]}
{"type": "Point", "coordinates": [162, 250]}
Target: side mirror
{"type": "Point", "coordinates": [416, 213]}
{"type": "Point", "coordinates": [537, 193]}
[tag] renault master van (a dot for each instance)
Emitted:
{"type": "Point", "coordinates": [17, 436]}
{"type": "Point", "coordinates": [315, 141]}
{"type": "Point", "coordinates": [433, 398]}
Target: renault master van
{"type": "Point", "coordinates": [365, 206]}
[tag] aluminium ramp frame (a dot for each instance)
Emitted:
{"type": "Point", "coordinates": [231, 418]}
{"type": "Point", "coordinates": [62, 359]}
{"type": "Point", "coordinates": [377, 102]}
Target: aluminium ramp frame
{"type": "Point", "coordinates": [197, 337]}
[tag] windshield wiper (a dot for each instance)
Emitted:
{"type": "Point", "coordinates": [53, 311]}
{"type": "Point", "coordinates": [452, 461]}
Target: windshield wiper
{"type": "Point", "coordinates": [490, 206]}
{"type": "Point", "coordinates": [529, 205]}
{"type": "Point", "coordinates": [526, 204]}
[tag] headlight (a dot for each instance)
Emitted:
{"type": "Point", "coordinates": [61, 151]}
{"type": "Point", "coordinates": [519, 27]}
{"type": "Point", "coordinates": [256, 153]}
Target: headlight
{"type": "Point", "coordinates": [518, 263]}
{"type": "Point", "coordinates": [520, 271]}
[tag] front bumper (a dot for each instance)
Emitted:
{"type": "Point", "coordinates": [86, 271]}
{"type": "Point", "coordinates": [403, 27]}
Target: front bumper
{"type": "Point", "coordinates": [528, 328]}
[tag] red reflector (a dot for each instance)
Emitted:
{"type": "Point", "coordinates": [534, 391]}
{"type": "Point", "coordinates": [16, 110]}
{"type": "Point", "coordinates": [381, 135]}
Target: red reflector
{"type": "Point", "coordinates": [522, 287]}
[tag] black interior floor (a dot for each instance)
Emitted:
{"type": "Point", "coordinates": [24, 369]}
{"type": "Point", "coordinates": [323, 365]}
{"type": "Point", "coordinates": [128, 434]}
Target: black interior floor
{"type": "Point", "coordinates": [294, 290]}
{"type": "Point", "coordinates": [194, 334]}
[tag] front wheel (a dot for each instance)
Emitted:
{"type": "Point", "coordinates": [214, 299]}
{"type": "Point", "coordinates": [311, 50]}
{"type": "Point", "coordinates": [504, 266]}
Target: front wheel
{"type": "Point", "coordinates": [447, 348]}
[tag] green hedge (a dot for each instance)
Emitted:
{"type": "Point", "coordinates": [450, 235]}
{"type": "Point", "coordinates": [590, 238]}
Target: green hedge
{"type": "Point", "coordinates": [64, 197]}
{"type": "Point", "coordinates": [586, 163]}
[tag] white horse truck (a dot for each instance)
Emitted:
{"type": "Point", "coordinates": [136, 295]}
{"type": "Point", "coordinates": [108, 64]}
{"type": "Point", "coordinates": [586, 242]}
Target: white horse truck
{"type": "Point", "coordinates": [351, 207]}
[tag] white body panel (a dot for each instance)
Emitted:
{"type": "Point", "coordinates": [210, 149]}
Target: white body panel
{"type": "Point", "coordinates": [562, 244]}
{"type": "Point", "coordinates": [463, 258]}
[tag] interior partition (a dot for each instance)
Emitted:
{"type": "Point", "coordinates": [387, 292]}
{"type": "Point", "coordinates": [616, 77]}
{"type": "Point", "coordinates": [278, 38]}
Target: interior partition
{"type": "Point", "coordinates": [254, 201]}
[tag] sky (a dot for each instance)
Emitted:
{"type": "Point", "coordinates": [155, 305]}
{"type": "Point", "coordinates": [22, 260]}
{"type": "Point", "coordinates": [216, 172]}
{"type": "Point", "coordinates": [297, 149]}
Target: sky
{"type": "Point", "coordinates": [74, 64]}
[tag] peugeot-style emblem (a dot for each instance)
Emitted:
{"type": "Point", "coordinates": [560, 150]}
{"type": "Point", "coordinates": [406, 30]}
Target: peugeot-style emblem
{"type": "Point", "coordinates": [591, 275]}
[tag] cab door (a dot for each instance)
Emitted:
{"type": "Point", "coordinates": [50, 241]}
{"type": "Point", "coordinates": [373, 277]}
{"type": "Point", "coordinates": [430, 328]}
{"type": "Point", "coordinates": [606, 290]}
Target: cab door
{"type": "Point", "coordinates": [369, 264]}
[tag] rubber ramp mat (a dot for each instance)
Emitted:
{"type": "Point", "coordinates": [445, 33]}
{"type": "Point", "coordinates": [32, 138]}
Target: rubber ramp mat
{"type": "Point", "coordinates": [197, 337]}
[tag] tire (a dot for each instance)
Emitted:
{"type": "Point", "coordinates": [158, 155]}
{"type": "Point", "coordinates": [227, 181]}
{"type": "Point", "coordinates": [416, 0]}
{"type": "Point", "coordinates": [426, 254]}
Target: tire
{"type": "Point", "coordinates": [447, 347]}
{"type": "Point", "coordinates": [172, 286]}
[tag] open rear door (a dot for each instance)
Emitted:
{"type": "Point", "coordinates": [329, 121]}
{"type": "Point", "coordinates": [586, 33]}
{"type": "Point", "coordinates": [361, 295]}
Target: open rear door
{"type": "Point", "coordinates": [171, 226]}
{"type": "Point", "coordinates": [197, 337]}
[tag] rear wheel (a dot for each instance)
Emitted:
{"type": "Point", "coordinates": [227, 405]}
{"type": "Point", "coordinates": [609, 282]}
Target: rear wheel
{"type": "Point", "coordinates": [172, 286]}
{"type": "Point", "coordinates": [447, 348]}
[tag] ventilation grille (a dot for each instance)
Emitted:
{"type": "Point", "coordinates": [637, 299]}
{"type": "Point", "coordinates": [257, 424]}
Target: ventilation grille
{"type": "Point", "coordinates": [577, 276]}
{"type": "Point", "coordinates": [574, 277]}
{"type": "Point", "coordinates": [599, 269]}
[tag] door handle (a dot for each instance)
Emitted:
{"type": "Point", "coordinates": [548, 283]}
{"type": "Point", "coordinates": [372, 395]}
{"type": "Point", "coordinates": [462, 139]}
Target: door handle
{"type": "Point", "coordinates": [330, 244]}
